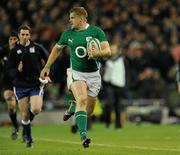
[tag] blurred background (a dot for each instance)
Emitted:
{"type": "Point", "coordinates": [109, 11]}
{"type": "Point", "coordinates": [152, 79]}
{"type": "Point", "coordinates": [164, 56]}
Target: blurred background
{"type": "Point", "coordinates": [144, 34]}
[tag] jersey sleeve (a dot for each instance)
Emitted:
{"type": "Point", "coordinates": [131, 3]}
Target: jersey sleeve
{"type": "Point", "coordinates": [43, 53]}
{"type": "Point", "coordinates": [101, 34]}
{"type": "Point", "coordinates": [63, 39]}
{"type": "Point", "coordinates": [12, 64]}
{"type": "Point", "coordinates": [3, 51]}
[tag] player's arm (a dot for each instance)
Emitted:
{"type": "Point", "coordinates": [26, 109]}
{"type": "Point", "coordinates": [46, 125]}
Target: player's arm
{"type": "Point", "coordinates": [55, 52]}
{"type": "Point", "coordinates": [3, 51]}
{"type": "Point", "coordinates": [106, 50]}
{"type": "Point", "coordinates": [14, 67]}
{"type": "Point", "coordinates": [97, 53]}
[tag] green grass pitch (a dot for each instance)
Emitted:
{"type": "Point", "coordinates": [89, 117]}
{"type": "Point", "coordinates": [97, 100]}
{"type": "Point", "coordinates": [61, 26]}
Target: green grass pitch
{"type": "Point", "coordinates": [145, 139]}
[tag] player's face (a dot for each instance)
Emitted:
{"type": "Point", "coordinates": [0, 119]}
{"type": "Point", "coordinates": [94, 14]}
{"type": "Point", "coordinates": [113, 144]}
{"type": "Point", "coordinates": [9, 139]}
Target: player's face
{"type": "Point", "coordinates": [24, 36]}
{"type": "Point", "coordinates": [12, 41]}
{"type": "Point", "coordinates": [75, 21]}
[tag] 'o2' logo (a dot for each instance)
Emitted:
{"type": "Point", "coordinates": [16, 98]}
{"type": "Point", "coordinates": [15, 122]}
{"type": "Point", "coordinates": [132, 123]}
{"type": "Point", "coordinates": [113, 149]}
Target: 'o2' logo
{"type": "Point", "coordinates": [81, 52]}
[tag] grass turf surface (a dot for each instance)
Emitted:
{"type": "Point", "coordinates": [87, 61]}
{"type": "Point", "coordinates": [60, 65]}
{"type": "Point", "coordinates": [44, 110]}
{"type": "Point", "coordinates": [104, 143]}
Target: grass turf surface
{"type": "Point", "coordinates": [145, 139]}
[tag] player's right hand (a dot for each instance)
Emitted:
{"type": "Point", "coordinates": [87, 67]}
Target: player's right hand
{"type": "Point", "coordinates": [46, 80]}
{"type": "Point", "coordinates": [44, 73]}
{"type": "Point", "coordinates": [92, 53]}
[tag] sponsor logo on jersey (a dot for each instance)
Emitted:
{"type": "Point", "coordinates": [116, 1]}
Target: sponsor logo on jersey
{"type": "Point", "coordinates": [5, 58]}
{"type": "Point", "coordinates": [70, 40]}
{"type": "Point", "coordinates": [19, 51]}
{"type": "Point", "coordinates": [77, 51]}
{"type": "Point", "coordinates": [32, 50]}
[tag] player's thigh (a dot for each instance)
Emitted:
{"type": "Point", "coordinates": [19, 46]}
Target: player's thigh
{"type": "Point", "coordinates": [36, 102]}
{"type": "Point", "coordinates": [91, 101]}
{"type": "Point", "coordinates": [79, 90]}
{"type": "Point", "coordinates": [23, 104]}
{"type": "Point", "coordinates": [8, 93]}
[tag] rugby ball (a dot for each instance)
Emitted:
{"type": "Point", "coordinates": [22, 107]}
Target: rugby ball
{"type": "Point", "coordinates": [94, 43]}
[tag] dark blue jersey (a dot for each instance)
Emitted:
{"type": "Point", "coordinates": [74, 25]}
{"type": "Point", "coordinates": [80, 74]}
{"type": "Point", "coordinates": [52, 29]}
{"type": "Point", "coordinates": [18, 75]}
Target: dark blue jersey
{"type": "Point", "coordinates": [33, 57]}
{"type": "Point", "coordinates": [7, 81]}
{"type": "Point", "coordinates": [4, 53]}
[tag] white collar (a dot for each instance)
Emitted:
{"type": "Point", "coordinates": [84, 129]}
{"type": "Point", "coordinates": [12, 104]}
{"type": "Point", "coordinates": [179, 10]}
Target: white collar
{"type": "Point", "coordinates": [28, 43]}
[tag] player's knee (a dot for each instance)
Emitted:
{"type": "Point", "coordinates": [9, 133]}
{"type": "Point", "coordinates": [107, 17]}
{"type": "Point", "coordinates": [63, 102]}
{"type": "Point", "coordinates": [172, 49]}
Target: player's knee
{"type": "Point", "coordinates": [9, 98]}
{"type": "Point", "coordinates": [36, 111]}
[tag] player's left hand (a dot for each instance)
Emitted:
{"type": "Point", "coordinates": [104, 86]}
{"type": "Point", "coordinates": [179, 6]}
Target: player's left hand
{"type": "Point", "coordinates": [44, 73]}
{"type": "Point", "coordinates": [93, 53]}
{"type": "Point", "coordinates": [46, 80]}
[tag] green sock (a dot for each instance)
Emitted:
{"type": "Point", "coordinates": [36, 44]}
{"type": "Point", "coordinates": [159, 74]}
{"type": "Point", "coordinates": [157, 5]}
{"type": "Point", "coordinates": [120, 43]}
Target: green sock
{"type": "Point", "coordinates": [72, 107]}
{"type": "Point", "coordinates": [81, 121]}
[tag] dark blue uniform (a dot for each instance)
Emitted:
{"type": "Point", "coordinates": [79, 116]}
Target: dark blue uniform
{"type": "Point", "coordinates": [26, 83]}
{"type": "Point", "coordinates": [7, 81]}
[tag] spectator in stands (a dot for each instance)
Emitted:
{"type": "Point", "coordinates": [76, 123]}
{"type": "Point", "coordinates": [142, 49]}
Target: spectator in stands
{"type": "Point", "coordinates": [115, 84]}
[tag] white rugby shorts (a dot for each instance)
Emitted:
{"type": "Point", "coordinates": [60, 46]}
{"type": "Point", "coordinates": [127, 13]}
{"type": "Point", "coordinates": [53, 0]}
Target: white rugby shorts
{"type": "Point", "coordinates": [92, 79]}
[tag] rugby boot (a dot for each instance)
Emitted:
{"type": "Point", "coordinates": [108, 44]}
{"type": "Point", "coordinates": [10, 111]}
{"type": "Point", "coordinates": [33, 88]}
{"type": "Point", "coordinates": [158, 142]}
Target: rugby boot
{"type": "Point", "coordinates": [14, 134]}
{"type": "Point", "coordinates": [86, 142]}
{"type": "Point", "coordinates": [67, 115]}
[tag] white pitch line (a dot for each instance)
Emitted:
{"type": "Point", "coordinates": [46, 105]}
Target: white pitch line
{"type": "Point", "coordinates": [109, 145]}
{"type": "Point", "coordinates": [152, 148]}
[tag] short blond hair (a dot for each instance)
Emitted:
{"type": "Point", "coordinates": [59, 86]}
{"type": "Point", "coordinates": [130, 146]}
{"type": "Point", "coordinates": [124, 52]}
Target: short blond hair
{"type": "Point", "coordinates": [80, 11]}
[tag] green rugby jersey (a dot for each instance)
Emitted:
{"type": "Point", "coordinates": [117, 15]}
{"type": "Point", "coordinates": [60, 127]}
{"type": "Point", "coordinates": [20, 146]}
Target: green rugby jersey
{"type": "Point", "coordinates": [76, 40]}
